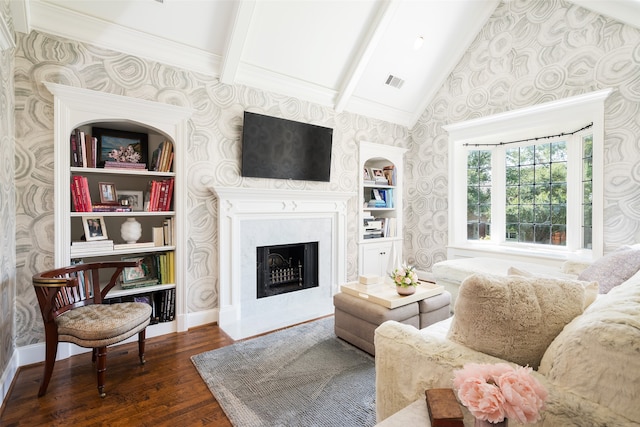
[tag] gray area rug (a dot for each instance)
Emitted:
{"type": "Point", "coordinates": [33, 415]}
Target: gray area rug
{"type": "Point", "coordinates": [300, 376]}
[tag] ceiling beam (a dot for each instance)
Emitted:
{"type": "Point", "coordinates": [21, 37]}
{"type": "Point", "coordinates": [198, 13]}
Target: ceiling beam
{"type": "Point", "coordinates": [235, 43]}
{"type": "Point", "coordinates": [20, 15]}
{"type": "Point", "coordinates": [357, 67]}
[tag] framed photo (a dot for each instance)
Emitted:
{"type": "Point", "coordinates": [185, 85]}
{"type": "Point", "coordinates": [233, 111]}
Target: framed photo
{"type": "Point", "coordinates": [135, 199]}
{"type": "Point", "coordinates": [367, 175]}
{"type": "Point", "coordinates": [144, 271]}
{"type": "Point", "coordinates": [108, 193]}
{"type": "Point", "coordinates": [377, 174]}
{"type": "Point", "coordinates": [120, 146]}
{"type": "Point", "coordinates": [94, 228]}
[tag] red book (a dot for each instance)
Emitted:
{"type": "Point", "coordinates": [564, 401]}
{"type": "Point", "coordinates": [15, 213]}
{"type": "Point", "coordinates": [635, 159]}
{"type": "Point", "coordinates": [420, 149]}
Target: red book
{"type": "Point", "coordinates": [86, 195]}
{"type": "Point", "coordinates": [167, 204]}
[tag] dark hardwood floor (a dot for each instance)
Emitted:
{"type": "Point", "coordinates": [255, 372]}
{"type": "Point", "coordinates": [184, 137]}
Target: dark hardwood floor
{"type": "Point", "coordinates": [166, 391]}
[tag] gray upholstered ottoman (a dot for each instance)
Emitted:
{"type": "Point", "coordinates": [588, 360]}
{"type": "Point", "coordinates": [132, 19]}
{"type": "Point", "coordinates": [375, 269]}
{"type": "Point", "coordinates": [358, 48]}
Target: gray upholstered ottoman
{"type": "Point", "coordinates": [356, 319]}
{"type": "Point", "coordinates": [434, 309]}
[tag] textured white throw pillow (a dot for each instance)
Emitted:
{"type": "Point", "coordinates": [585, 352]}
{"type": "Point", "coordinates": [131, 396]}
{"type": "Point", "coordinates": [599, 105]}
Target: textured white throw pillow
{"type": "Point", "coordinates": [515, 317]}
{"type": "Point", "coordinates": [613, 269]}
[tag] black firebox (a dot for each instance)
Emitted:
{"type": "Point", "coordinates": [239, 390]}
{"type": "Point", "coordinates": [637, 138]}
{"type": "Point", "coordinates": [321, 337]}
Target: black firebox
{"type": "Point", "coordinates": [286, 268]}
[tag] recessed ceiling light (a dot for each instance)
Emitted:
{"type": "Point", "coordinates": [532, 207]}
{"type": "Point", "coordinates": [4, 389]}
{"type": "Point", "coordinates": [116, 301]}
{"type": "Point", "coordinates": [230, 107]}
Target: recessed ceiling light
{"type": "Point", "coordinates": [417, 43]}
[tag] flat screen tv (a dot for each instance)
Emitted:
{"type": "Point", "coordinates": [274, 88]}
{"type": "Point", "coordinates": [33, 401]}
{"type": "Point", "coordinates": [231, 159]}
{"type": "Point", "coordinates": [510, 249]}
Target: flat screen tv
{"type": "Point", "coordinates": [284, 149]}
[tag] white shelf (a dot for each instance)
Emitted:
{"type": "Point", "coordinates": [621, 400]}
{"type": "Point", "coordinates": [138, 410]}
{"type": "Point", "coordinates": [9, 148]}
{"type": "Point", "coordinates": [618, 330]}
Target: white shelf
{"type": "Point", "coordinates": [116, 214]}
{"type": "Point", "coordinates": [124, 252]}
{"type": "Point", "coordinates": [116, 291]}
{"type": "Point", "coordinates": [114, 171]}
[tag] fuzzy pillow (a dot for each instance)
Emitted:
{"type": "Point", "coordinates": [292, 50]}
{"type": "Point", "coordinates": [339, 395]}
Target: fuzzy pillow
{"type": "Point", "coordinates": [514, 317]}
{"type": "Point", "coordinates": [613, 269]}
{"type": "Point", "coordinates": [590, 288]}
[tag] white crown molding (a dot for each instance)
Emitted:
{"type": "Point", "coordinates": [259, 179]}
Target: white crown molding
{"type": "Point", "coordinates": [6, 36]}
{"type": "Point", "coordinates": [625, 11]}
{"type": "Point", "coordinates": [59, 21]}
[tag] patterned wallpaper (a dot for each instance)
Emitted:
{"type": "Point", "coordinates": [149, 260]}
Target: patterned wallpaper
{"type": "Point", "coordinates": [531, 52]}
{"type": "Point", "coordinates": [527, 53]}
{"type": "Point", "coordinates": [213, 152]}
{"type": "Point", "coordinates": [7, 202]}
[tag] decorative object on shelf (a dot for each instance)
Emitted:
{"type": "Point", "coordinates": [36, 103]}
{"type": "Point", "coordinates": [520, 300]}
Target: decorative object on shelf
{"type": "Point", "coordinates": [131, 230]}
{"type": "Point", "coordinates": [405, 278]}
{"type": "Point", "coordinates": [493, 393]}
{"type": "Point", "coordinates": [133, 199]}
{"type": "Point", "coordinates": [107, 193]}
{"type": "Point", "coordinates": [122, 148]}
{"type": "Point", "coordinates": [94, 228]}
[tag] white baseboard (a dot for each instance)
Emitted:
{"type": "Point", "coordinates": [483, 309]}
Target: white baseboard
{"type": "Point", "coordinates": [8, 375]}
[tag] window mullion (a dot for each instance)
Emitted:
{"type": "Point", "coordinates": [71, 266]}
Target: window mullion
{"type": "Point", "coordinates": [574, 193]}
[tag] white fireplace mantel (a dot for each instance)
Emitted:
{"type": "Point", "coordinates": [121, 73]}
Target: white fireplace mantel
{"type": "Point", "coordinates": [238, 211]}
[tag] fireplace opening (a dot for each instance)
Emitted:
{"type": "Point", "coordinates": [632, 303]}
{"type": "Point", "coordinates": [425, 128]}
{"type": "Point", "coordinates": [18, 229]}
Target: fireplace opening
{"type": "Point", "coordinates": [286, 268]}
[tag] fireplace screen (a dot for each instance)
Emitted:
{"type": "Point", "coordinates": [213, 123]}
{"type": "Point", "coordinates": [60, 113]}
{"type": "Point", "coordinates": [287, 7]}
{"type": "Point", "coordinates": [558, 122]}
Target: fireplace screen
{"type": "Point", "coordinates": [286, 268]}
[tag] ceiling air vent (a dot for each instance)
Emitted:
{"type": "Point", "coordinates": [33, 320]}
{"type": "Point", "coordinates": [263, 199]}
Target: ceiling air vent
{"type": "Point", "coordinates": [394, 81]}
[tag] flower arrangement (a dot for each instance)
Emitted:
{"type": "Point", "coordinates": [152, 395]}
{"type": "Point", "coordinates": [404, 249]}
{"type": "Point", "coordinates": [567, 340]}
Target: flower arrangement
{"type": "Point", "coordinates": [493, 392]}
{"type": "Point", "coordinates": [126, 154]}
{"type": "Point", "coordinates": [404, 276]}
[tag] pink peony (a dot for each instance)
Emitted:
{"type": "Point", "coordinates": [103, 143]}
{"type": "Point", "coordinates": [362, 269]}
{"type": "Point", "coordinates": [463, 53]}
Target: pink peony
{"type": "Point", "coordinates": [493, 392]}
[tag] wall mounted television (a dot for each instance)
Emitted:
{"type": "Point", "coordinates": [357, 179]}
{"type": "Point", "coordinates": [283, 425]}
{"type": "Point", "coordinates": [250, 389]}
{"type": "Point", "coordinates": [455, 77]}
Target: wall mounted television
{"type": "Point", "coordinates": [284, 149]}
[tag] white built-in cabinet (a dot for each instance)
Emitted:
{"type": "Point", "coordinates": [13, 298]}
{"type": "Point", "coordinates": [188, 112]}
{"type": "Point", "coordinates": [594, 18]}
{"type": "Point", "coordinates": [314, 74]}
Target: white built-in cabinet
{"type": "Point", "coordinates": [380, 208]}
{"type": "Point", "coordinates": [83, 109]}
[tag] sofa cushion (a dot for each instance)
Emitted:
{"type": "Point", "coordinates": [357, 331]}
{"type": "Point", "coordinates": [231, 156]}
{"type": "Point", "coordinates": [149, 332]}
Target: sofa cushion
{"type": "Point", "coordinates": [613, 268]}
{"type": "Point", "coordinates": [514, 317]}
{"type": "Point", "coordinates": [597, 355]}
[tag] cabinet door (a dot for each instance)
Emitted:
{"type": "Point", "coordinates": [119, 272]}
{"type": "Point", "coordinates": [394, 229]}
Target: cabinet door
{"type": "Point", "coordinates": [375, 258]}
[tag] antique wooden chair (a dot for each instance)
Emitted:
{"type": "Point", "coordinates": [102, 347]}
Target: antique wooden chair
{"type": "Point", "coordinates": [71, 299]}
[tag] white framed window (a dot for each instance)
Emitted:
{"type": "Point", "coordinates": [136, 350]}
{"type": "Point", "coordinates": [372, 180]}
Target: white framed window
{"type": "Point", "coordinates": [511, 193]}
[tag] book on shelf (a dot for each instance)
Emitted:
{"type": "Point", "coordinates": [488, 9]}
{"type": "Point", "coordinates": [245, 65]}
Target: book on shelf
{"type": "Point", "coordinates": [80, 195]}
{"type": "Point", "coordinates": [162, 157]}
{"type": "Point", "coordinates": [83, 149]}
{"type": "Point", "coordinates": [111, 208]}
{"type": "Point", "coordinates": [139, 283]}
{"type": "Point", "coordinates": [92, 244]}
{"type": "Point", "coordinates": [98, 246]}
{"type": "Point", "coordinates": [160, 193]}
{"type": "Point", "coordinates": [137, 245]}
{"type": "Point", "coordinates": [158, 236]}
{"type": "Point", "coordinates": [125, 165]}
{"type": "Point", "coordinates": [167, 228]}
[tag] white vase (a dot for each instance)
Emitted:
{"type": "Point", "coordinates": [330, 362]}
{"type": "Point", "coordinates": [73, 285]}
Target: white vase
{"type": "Point", "coordinates": [130, 230]}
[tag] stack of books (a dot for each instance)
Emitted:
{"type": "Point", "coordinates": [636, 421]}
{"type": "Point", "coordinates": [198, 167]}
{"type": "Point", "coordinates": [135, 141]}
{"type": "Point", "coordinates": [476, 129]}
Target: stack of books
{"type": "Point", "coordinates": [162, 157]}
{"type": "Point", "coordinates": [80, 194]}
{"type": "Point", "coordinates": [83, 149]}
{"type": "Point", "coordinates": [159, 195]}
{"type": "Point", "coordinates": [125, 165]}
{"type": "Point", "coordinates": [93, 246]}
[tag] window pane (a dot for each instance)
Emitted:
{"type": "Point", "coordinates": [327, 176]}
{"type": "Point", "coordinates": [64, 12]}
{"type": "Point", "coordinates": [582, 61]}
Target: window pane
{"type": "Point", "coordinates": [478, 194]}
{"type": "Point", "coordinates": [587, 190]}
{"type": "Point", "coordinates": [537, 206]}
{"type": "Point", "coordinates": [559, 172]}
{"type": "Point", "coordinates": [527, 155]}
{"type": "Point", "coordinates": [512, 157]}
{"type": "Point", "coordinates": [543, 173]}
{"type": "Point", "coordinates": [527, 175]}
{"type": "Point", "coordinates": [512, 195]}
{"type": "Point", "coordinates": [559, 151]}
{"type": "Point", "coordinates": [513, 175]}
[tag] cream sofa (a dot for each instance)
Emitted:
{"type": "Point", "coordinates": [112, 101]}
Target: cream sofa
{"type": "Point", "coordinates": [591, 369]}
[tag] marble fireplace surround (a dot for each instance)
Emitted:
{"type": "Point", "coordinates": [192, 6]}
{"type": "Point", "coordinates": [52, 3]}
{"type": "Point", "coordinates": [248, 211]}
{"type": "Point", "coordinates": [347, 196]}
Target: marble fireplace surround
{"type": "Point", "coordinates": [249, 218]}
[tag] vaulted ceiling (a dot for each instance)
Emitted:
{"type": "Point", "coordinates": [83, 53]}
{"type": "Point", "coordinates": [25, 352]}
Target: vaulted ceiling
{"type": "Point", "coordinates": [353, 55]}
